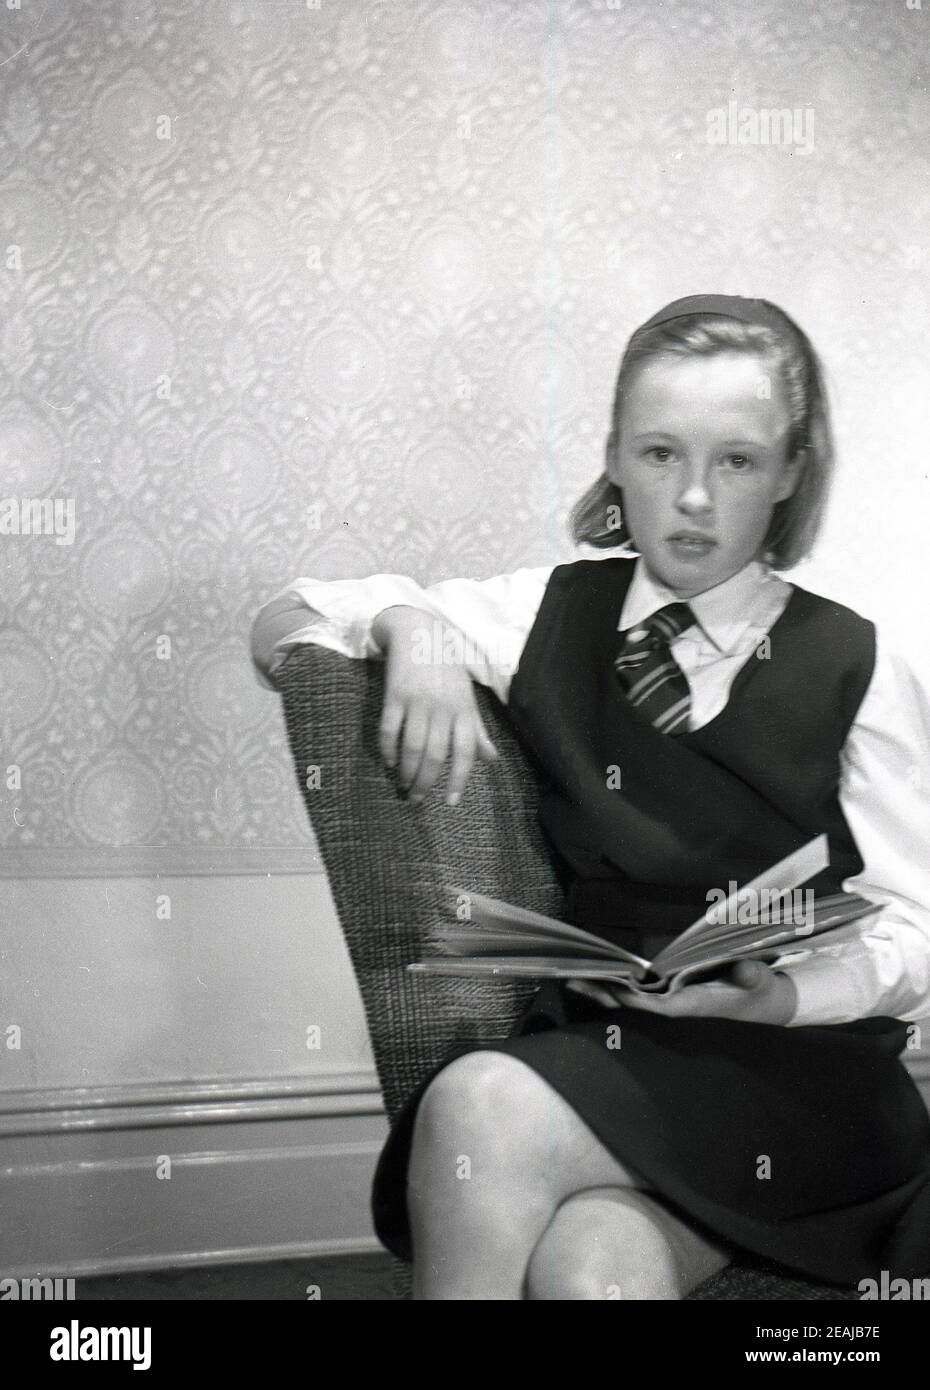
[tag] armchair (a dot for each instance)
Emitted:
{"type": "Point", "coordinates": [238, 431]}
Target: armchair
{"type": "Point", "coordinates": [386, 859]}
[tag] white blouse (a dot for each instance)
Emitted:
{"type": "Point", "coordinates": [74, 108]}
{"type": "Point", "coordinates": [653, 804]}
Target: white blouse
{"type": "Point", "coordinates": [885, 764]}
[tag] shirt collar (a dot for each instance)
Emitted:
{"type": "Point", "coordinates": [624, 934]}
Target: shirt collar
{"type": "Point", "coordinates": [723, 613]}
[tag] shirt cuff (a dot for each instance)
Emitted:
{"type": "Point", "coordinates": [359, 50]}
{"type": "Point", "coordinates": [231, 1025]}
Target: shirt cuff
{"type": "Point", "coordinates": [880, 969]}
{"type": "Point", "coordinates": [828, 990]}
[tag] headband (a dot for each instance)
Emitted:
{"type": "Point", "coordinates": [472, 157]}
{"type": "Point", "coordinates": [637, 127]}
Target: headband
{"type": "Point", "coordinates": [728, 306]}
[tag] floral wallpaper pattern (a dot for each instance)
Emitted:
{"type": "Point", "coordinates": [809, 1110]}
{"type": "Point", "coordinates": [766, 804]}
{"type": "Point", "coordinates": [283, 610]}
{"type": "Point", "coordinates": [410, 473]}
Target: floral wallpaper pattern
{"type": "Point", "coordinates": [337, 286]}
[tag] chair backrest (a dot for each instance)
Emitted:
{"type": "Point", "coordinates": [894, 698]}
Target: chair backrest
{"type": "Point", "coordinates": [387, 861]}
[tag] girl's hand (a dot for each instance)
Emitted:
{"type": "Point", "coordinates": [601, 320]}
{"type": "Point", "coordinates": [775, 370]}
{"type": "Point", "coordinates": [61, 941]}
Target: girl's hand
{"type": "Point", "coordinates": [753, 992]}
{"type": "Point", "coordinates": [429, 709]}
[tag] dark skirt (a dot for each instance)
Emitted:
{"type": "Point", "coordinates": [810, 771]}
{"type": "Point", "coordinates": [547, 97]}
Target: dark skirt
{"type": "Point", "coordinates": [809, 1146]}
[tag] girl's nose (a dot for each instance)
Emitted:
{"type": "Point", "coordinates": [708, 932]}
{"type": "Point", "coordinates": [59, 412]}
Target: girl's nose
{"type": "Point", "coordinates": [695, 495]}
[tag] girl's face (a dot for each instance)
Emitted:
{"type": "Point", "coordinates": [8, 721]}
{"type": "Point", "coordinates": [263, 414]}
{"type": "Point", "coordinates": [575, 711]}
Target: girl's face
{"type": "Point", "coordinates": [702, 462]}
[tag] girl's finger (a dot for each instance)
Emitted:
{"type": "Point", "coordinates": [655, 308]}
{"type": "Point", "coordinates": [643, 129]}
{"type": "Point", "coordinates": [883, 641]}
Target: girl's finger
{"type": "Point", "coordinates": [691, 1000]}
{"type": "Point", "coordinates": [601, 994]}
{"type": "Point", "coordinates": [581, 987]}
{"type": "Point", "coordinates": [463, 757]}
{"type": "Point", "coordinates": [749, 974]}
{"type": "Point", "coordinates": [435, 752]}
{"type": "Point", "coordinates": [392, 718]}
{"type": "Point", "coordinates": [715, 998]}
{"type": "Point", "coordinates": [649, 1002]}
{"type": "Point", "coordinates": [412, 743]}
{"type": "Point", "coordinates": [486, 750]}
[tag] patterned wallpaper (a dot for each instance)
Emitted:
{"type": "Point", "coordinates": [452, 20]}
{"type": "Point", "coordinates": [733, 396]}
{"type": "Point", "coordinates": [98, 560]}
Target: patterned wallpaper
{"type": "Point", "coordinates": [329, 287]}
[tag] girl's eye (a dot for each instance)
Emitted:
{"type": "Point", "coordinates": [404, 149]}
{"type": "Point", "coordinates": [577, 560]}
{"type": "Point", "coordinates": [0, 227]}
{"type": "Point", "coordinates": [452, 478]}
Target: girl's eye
{"type": "Point", "coordinates": [740, 463]}
{"type": "Point", "coordinates": [658, 454]}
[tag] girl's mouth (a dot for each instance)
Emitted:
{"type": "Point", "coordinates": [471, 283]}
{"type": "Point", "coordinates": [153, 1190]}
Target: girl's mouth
{"type": "Point", "coordinates": [691, 544]}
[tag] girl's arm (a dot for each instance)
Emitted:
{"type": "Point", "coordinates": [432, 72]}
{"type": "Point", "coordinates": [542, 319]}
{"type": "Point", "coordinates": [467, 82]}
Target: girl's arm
{"type": "Point", "coordinates": [885, 796]}
{"type": "Point", "coordinates": [434, 642]}
{"type": "Point", "coordinates": [492, 616]}
{"type": "Point", "coordinates": [332, 613]}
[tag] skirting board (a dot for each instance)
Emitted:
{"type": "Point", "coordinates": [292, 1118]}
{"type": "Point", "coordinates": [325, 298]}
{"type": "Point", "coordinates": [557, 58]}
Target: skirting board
{"type": "Point", "coordinates": [216, 1173]}
{"type": "Point", "coordinates": [151, 1184]}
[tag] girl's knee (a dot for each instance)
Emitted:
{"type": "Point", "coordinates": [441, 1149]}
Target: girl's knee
{"type": "Point", "coordinates": [477, 1091]}
{"type": "Point", "coordinates": [465, 1130]}
{"type": "Point", "coordinates": [607, 1247]}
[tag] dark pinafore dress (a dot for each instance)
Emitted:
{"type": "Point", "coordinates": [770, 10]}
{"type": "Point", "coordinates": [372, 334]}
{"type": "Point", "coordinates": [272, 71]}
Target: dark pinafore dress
{"type": "Point", "coordinates": [808, 1145]}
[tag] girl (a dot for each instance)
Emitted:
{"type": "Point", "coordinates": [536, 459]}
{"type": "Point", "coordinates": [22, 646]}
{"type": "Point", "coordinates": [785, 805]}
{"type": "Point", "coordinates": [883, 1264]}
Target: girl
{"type": "Point", "coordinates": [622, 1147]}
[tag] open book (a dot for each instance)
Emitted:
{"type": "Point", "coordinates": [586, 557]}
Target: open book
{"type": "Point", "coordinates": [764, 919]}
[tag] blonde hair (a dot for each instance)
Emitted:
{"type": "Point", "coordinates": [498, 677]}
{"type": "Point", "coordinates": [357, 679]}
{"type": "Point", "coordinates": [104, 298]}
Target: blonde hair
{"type": "Point", "coordinates": [597, 517]}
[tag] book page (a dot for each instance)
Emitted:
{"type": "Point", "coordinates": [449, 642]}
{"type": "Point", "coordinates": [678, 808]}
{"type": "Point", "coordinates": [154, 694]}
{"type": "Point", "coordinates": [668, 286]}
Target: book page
{"type": "Point", "coordinates": [495, 915]}
{"type": "Point", "coordinates": [787, 874]}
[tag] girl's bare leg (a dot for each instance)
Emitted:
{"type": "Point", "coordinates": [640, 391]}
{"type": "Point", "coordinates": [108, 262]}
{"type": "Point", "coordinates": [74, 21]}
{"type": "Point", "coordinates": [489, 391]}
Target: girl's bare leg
{"type": "Point", "coordinates": [496, 1152]}
{"type": "Point", "coordinates": [619, 1243]}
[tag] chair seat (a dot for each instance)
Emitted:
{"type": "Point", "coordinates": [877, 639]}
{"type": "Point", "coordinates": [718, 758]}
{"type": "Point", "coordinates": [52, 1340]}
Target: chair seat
{"type": "Point", "coordinates": [763, 1280]}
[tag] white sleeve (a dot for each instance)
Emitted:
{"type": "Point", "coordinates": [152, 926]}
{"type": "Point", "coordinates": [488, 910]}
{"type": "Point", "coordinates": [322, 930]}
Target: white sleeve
{"type": "Point", "coordinates": [885, 797]}
{"type": "Point", "coordinates": [492, 619]}
{"type": "Point", "coordinates": [334, 613]}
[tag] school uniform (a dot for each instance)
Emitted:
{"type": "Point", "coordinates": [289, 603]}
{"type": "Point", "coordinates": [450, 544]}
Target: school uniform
{"type": "Point", "coordinates": [806, 1143]}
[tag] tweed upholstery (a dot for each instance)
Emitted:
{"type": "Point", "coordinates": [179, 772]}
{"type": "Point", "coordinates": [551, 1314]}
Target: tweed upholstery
{"type": "Point", "coordinates": [386, 860]}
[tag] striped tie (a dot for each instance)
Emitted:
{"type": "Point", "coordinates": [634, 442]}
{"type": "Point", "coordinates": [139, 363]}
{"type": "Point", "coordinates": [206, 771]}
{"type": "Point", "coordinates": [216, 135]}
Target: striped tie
{"type": "Point", "coordinates": [649, 673]}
